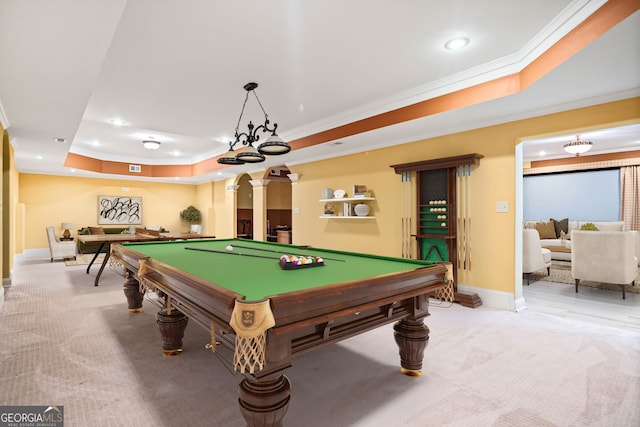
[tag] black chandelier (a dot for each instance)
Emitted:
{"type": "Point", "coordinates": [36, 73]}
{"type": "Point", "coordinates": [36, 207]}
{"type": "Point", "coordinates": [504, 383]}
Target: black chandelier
{"type": "Point", "coordinates": [272, 146]}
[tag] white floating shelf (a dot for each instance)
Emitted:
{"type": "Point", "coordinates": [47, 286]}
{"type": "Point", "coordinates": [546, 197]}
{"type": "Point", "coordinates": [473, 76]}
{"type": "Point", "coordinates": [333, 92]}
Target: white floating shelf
{"type": "Point", "coordinates": [348, 199]}
{"type": "Point", "coordinates": [347, 217]}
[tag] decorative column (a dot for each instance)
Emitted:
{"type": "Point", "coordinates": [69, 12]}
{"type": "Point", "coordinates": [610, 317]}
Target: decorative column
{"type": "Point", "coordinates": [230, 227]}
{"type": "Point", "coordinates": [260, 208]}
{"type": "Point", "coordinates": [295, 217]}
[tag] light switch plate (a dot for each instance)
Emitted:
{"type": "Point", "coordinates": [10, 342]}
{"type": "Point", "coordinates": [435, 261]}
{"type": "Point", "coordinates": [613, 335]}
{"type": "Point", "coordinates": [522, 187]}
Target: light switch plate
{"type": "Point", "coordinates": [502, 207]}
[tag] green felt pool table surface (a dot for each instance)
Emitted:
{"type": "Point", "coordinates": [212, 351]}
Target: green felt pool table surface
{"type": "Point", "coordinates": [257, 274]}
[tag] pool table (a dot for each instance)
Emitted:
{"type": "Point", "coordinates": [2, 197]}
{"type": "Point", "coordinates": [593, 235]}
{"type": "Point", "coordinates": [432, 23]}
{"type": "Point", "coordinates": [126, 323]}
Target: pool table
{"type": "Point", "coordinates": [278, 313]}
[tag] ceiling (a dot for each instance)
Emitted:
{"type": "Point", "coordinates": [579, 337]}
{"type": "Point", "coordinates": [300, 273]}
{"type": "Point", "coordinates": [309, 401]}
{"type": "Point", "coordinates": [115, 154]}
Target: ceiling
{"type": "Point", "coordinates": [175, 70]}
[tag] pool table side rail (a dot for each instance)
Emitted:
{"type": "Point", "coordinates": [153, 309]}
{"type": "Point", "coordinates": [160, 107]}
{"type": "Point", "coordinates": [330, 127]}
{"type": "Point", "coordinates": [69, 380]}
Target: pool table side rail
{"type": "Point", "coordinates": [300, 307]}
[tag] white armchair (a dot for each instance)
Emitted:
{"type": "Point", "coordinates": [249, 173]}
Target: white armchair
{"type": "Point", "coordinates": [604, 256]}
{"type": "Point", "coordinates": [196, 228]}
{"type": "Point", "coordinates": [534, 257]}
{"type": "Point", "coordinates": [58, 249]}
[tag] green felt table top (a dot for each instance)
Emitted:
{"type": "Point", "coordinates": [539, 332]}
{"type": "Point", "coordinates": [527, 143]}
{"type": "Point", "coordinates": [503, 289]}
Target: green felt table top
{"type": "Point", "coordinates": [256, 277]}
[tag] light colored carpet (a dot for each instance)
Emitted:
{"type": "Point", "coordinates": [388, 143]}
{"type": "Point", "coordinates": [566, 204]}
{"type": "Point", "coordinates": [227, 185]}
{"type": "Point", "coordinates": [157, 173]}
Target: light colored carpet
{"type": "Point", "coordinates": [66, 342]}
{"type": "Point", "coordinates": [83, 259]}
{"type": "Point", "coordinates": [561, 273]}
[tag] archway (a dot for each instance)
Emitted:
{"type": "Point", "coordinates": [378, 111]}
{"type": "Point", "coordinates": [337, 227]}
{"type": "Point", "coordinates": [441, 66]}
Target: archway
{"type": "Point", "coordinates": [244, 208]}
{"type": "Point", "coordinates": [279, 201]}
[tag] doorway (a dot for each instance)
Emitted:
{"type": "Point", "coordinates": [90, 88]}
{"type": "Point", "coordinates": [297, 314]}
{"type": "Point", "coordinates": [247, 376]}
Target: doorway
{"type": "Point", "coordinates": [279, 202]}
{"type": "Point", "coordinates": [244, 208]}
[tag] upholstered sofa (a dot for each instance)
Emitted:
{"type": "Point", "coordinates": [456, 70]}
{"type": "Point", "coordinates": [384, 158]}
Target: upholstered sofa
{"type": "Point", "coordinates": [558, 232]}
{"type": "Point", "coordinates": [561, 238]}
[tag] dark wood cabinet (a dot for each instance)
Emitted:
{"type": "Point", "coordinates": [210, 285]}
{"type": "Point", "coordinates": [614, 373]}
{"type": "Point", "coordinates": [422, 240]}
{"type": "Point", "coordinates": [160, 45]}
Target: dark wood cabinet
{"type": "Point", "coordinates": [436, 223]}
{"type": "Point", "coordinates": [437, 227]}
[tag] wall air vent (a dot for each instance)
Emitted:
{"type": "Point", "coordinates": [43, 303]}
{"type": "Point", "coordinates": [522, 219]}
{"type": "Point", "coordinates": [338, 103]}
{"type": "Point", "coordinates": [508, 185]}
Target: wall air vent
{"type": "Point", "coordinates": [135, 168]}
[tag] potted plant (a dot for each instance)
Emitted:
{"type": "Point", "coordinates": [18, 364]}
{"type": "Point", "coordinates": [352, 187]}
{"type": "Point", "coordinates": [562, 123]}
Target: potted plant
{"type": "Point", "coordinates": [191, 215]}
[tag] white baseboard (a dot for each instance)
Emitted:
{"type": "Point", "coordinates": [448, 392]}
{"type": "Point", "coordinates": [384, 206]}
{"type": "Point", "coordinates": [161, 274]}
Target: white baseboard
{"type": "Point", "coordinates": [520, 304]}
{"type": "Point", "coordinates": [35, 253]}
{"type": "Point", "coordinates": [496, 299]}
{"type": "Point", "coordinates": [2, 291]}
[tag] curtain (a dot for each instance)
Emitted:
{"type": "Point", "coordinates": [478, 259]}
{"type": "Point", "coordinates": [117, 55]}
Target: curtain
{"type": "Point", "coordinates": [630, 197]}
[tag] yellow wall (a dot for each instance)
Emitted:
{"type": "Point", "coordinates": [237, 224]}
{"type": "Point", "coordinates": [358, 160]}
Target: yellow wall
{"type": "Point", "coordinates": [245, 193]}
{"type": "Point", "coordinates": [205, 199]}
{"type": "Point", "coordinates": [50, 200]}
{"type": "Point", "coordinates": [4, 264]}
{"type": "Point", "coordinates": [492, 234]}
{"type": "Point", "coordinates": [279, 195]}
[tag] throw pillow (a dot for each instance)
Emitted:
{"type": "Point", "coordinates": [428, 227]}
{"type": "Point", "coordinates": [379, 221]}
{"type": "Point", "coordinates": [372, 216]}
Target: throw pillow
{"type": "Point", "coordinates": [547, 230]}
{"type": "Point", "coordinates": [96, 230]}
{"type": "Point", "coordinates": [560, 226]}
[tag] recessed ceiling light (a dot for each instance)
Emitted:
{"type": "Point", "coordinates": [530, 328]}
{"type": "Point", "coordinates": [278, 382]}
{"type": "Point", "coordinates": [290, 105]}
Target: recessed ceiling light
{"type": "Point", "coordinates": [60, 140]}
{"type": "Point", "coordinates": [457, 43]}
{"type": "Point", "coordinates": [39, 157]}
{"type": "Point", "coordinates": [117, 122]}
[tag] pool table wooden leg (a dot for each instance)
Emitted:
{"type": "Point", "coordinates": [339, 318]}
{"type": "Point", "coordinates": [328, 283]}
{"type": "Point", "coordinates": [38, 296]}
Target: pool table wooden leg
{"type": "Point", "coordinates": [132, 292]}
{"type": "Point", "coordinates": [264, 402]}
{"type": "Point", "coordinates": [412, 337]}
{"type": "Point", "coordinates": [171, 325]}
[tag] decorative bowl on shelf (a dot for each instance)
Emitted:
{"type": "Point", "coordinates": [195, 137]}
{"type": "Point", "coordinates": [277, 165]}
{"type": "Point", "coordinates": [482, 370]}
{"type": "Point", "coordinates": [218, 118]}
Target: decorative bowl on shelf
{"type": "Point", "coordinates": [339, 194]}
{"type": "Point", "coordinates": [361, 209]}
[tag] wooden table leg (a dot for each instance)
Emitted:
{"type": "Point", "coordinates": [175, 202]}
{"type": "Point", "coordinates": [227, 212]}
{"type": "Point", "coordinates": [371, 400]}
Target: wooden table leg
{"type": "Point", "coordinates": [133, 294]}
{"type": "Point", "coordinates": [171, 325]}
{"type": "Point", "coordinates": [98, 252]}
{"type": "Point", "coordinates": [264, 402]}
{"type": "Point", "coordinates": [412, 337]}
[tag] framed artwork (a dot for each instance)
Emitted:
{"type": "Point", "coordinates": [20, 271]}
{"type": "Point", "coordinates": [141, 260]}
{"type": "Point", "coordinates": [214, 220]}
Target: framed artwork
{"type": "Point", "coordinates": [119, 210]}
{"type": "Point", "coordinates": [359, 190]}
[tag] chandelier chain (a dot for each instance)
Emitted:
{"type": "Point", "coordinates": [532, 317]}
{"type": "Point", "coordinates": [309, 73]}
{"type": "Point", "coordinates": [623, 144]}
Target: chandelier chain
{"type": "Point", "coordinates": [260, 104]}
{"type": "Point", "coordinates": [242, 112]}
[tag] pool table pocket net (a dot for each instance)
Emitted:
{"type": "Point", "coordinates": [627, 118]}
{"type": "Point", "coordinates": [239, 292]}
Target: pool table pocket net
{"type": "Point", "coordinates": [250, 322]}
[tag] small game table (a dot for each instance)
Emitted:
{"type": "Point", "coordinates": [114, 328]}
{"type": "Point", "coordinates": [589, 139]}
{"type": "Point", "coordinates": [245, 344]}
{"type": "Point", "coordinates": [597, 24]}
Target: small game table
{"type": "Point", "coordinates": [266, 314]}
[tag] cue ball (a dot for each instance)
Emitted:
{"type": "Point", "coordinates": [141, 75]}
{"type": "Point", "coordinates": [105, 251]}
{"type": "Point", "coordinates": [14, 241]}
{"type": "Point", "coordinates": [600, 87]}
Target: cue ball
{"type": "Point", "coordinates": [230, 248]}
